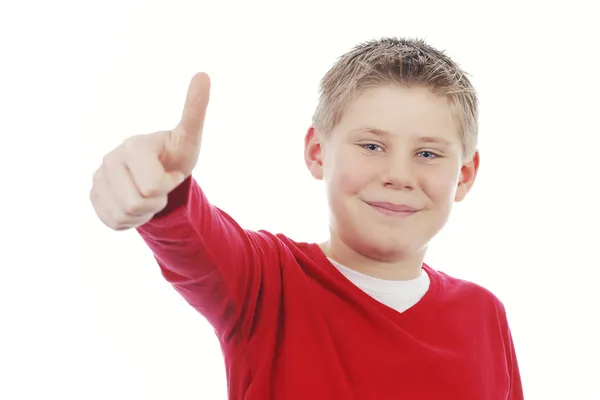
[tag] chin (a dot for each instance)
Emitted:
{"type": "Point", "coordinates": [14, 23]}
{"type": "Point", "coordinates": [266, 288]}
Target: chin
{"type": "Point", "coordinates": [384, 246]}
{"type": "Point", "coordinates": [393, 250]}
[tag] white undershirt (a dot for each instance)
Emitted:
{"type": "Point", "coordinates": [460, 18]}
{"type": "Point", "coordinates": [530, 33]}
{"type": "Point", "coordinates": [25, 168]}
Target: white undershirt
{"type": "Point", "coordinates": [399, 295]}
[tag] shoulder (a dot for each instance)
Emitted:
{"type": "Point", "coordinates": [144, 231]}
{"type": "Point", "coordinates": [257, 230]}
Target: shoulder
{"type": "Point", "coordinates": [293, 252]}
{"type": "Point", "coordinates": [468, 293]}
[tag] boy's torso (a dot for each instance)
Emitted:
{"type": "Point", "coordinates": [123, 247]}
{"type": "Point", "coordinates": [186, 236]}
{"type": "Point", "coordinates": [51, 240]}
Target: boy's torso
{"type": "Point", "coordinates": [317, 336]}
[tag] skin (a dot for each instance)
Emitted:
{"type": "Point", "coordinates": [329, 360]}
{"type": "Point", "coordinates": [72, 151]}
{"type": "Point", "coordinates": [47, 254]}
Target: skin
{"type": "Point", "coordinates": [133, 182]}
{"type": "Point", "coordinates": [378, 151]}
{"type": "Point", "coordinates": [395, 145]}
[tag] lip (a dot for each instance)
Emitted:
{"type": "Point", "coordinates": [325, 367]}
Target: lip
{"type": "Point", "coordinates": [393, 209]}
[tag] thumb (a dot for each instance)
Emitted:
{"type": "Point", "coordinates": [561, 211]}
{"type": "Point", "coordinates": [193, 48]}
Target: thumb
{"type": "Point", "coordinates": [194, 109]}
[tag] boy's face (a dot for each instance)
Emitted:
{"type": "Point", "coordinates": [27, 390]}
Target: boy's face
{"type": "Point", "coordinates": [393, 166]}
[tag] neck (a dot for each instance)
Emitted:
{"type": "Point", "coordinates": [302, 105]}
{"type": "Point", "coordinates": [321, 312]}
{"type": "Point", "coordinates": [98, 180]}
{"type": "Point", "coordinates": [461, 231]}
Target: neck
{"type": "Point", "coordinates": [403, 268]}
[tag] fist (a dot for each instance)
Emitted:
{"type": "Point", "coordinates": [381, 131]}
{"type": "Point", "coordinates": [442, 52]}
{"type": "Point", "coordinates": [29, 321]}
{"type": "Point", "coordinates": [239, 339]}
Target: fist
{"type": "Point", "coordinates": [133, 181]}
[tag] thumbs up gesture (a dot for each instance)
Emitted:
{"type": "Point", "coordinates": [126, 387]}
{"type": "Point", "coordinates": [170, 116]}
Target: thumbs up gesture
{"type": "Point", "coordinates": [135, 178]}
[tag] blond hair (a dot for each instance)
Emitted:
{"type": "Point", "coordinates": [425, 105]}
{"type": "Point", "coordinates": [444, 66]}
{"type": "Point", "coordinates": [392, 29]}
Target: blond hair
{"type": "Point", "coordinates": [405, 62]}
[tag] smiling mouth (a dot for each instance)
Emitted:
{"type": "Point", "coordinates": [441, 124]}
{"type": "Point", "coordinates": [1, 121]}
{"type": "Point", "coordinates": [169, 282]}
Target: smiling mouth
{"type": "Point", "coordinates": [394, 210]}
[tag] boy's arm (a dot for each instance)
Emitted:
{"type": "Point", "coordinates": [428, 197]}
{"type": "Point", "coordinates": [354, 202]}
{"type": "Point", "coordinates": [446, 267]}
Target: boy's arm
{"type": "Point", "coordinates": [209, 259]}
{"type": "Point", "coordinates": [216, 265]}
{"type": "Point", "coordinates": [516, 387]}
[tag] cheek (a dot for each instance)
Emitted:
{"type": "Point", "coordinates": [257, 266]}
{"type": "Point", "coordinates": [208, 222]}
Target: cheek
{"type": "Point", "coordinates": [440, 186]}
{"type": "Point", "coordinates": [350, 176]}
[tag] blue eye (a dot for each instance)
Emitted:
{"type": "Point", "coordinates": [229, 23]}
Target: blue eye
{"type": "Point", "coordinates": [428, 154]}
{"type": "Point", "coordinates": [371, 147]}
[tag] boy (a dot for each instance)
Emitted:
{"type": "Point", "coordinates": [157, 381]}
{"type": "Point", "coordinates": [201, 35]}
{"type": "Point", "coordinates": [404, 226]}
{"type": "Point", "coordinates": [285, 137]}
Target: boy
{"type": "Point", "coordinates": [358, 317]}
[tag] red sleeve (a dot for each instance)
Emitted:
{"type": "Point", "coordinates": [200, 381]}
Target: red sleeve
{"type": "Point", "coordinates": [216, 266]}
{"type": "Point", "coordinates": [516, 388]}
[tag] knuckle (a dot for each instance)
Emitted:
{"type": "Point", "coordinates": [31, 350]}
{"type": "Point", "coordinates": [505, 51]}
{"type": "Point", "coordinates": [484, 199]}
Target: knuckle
{"type": "Point", "coordinates": [110, 159]}
{"type": "Point", "coordinates": [162, 203]}
{"type": "Point", "coordinates": [129, 143]}
{"type": "Point", "coordinates": [112, 224]}
{"type": "Point", "coordinates": [107, 217]}
{"type": "Point", "coordinates": [132, 207]}
{"type": "Point", "coordinates": [97, 177]}
{"type": "Point", "coordinates": [118, 219]}
{"type": "Point", "coordinates": [150, 189]}
{"type": "Point", "coordinates": [132, 144]}
{"type": "Point", "coordinates": [93, 197]}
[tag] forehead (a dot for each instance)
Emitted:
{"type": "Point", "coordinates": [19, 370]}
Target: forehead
{"type": "Point", "coordinates": [407, 111]}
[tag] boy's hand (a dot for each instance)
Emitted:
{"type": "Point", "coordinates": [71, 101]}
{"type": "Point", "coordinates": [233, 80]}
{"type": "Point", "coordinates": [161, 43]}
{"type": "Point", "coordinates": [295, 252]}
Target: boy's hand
{"type": "Point", "coordinates": [134, 179]}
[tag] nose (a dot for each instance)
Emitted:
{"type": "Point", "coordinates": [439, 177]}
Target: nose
{"type": "Point", "coordinates": [399, 173]}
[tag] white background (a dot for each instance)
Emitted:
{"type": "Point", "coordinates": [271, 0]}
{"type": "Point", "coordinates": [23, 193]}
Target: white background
{"type": "Point", "coordinates": [84, 311]}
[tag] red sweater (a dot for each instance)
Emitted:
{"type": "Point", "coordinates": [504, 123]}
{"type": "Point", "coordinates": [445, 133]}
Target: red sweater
{"type": "Point", "coordinates": [291, 326]}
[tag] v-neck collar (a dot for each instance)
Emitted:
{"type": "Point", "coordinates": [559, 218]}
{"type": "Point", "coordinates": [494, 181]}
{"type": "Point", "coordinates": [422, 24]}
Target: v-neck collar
{"type": "Point", "coordinates": [426, 302]}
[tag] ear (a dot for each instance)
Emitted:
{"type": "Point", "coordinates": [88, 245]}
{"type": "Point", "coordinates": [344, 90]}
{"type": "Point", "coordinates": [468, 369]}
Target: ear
{"type": "Point", "coordinates": [468, 173]}
{"type": "Point", "coordinates": [313, 153]}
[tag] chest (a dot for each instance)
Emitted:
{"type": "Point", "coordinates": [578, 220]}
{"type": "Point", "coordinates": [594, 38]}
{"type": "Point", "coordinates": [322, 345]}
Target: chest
{"type": "Point", "coordinates": [332, 348]}
{"type": "Point", "coordinates": [379, 359]}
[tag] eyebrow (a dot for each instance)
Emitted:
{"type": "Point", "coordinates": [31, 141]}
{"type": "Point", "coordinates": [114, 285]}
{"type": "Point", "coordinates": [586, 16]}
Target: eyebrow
{"type": "Point", "coordinates": [422, 139]}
